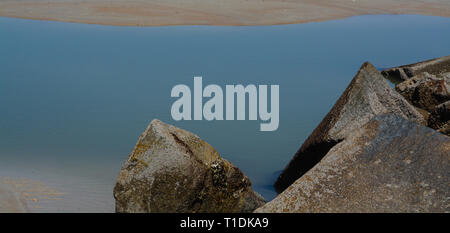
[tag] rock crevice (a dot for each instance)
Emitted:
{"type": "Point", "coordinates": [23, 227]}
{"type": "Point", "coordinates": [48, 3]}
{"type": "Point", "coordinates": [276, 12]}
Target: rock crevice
{"type": "Point", "coordinates": [172, 170]}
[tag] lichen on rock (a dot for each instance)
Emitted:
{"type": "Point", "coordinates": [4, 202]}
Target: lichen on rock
{"type": "Point", "coordinates": [172, 170]}
{"type": "Point", "coordinates": [425, 90]}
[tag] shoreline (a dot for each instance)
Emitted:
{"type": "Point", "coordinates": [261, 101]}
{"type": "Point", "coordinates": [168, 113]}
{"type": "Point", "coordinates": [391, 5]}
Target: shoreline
{"type": "Point", "coordinates": [198, 12]}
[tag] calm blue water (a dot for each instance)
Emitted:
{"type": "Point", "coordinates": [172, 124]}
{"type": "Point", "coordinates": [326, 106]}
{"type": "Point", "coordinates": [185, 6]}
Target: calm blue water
{"type": "Point", "coordinates": [74, 98]}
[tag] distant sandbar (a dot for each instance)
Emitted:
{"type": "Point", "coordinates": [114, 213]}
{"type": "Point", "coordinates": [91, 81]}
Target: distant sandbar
{"type": "Point", "coordinates": [212, 12]}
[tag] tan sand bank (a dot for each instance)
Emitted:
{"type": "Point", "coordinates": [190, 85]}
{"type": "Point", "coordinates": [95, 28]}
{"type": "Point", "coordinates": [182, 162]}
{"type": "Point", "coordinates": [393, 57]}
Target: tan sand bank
{"type": "Point", "coordinates": [212, 12]}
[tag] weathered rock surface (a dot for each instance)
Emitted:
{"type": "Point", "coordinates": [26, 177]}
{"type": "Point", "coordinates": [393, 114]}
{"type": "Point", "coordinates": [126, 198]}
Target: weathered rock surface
{"type": "Point", "coordinates": [434, 67]}
{"type": "Point", "coordinates": [11, 201]}
{"type": "Point", "coordinates": [388, 165]}
{"type": "Point", "coordinates": [440, 118]}
{"type": "Point", "coordinates": [368, 94]}
{"type": "Point", "coordinates": [425, 90]}
{"type": "Point", "coordinates": [172, 170]}
{"type": "Point", "coordinates": [445, 128]}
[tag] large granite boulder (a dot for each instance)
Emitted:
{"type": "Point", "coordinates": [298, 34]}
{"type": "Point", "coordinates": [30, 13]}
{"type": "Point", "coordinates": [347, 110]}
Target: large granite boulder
{"type": "Point", "coordinates": [425, 90]}
{"type": "Point", "coordinates": [445, 128]}
{"type": "Point", "coordinates": [172, 170]}
{"type": "Point", "coordinates": [388, 165]}
{"type": "Point", "coordinates": [368, 94]}
{"type": "Point", "coordinates": [433, 66]}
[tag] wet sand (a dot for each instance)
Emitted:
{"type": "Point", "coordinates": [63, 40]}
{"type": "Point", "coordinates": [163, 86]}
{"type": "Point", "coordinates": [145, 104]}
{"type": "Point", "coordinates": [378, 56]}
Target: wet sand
{"type": "Point", "coordinates": [212, 12]}
{"type": "Point", "coordinates": [11, 201]}
{"type": "Point", "coordinates": [22, 191]}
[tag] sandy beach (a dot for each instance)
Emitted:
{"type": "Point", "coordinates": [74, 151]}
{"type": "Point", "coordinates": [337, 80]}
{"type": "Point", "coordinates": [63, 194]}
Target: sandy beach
{"type": "Point", "coordinates": [215, 12]}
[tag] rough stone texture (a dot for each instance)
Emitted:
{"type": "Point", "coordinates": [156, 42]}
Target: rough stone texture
{"type": "Point", "coordinates": [11, 201]}
{"type": "Point", "coordinates": [388, 165]}
{"type": "Point", "coordinates": [440, 118]}
{"type": "Point", "coordinates": [172, 170]}
{"type": "Point", "coordinates": [402, 73]}
{"type": "Point", "coordinates": [425, 90]}
{"type": "Point", "coordinates": [426, 85]}
{"type": "Point", "coordinates": [368, 94]}
{"type": "Point", "coordinates": [445, 128]}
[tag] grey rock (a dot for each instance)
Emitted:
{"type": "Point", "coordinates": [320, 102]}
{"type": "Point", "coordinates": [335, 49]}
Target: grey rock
{"type": "Point", "coordinates": [367, 95]}
{"type": "Point", "coordinates": [172, 170]}
{"type": "Point", "coordinates": [11, 201]}
{"type": "Point", "coordinates": [433, 66]}
{"type": "Point", "coordinates": [425, 90]}
{"type": "Point", "coordinates": [388, 165]}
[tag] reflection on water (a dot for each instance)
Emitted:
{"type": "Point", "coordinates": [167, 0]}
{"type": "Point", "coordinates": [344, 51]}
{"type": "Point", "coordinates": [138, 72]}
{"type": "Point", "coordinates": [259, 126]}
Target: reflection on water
{"type": "Point", "coordinates": [75, 97]}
